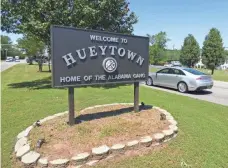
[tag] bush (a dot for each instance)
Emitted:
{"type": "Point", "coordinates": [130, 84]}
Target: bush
{"type": "Point", "coordinates": [161, 63]}
{"type": "Point", "coordinates": [22, 56]}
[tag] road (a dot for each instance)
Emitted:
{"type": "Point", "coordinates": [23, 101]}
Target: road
{"type": "Point", "coordinates": [218, 94]}
{"type": "Point", "coordinates": [6, 65]}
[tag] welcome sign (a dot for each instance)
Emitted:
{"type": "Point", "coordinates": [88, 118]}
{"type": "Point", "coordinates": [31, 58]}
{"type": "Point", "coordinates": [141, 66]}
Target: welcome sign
{"type": "Point", "coordinates": [87, 57]}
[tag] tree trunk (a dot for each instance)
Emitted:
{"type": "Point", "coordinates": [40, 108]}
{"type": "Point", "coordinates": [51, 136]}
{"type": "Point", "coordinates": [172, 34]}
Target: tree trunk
{"type": "Point", "coordinates": [49, 66]}
{"type": "Point", "coordinates": [40, 67]}
{"type": "Point", "coordinates": [30, 60]}
{"type": "Point", "coordinates": [40, 64]}
{"type": "Point", "coordinates": [212, 71]}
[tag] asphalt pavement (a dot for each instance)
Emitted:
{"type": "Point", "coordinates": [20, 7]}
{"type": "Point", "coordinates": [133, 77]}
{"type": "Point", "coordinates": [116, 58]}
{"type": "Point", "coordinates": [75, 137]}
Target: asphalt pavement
{"type": "Point", "coordinates": [218, 94]}
{"type": "Point", "coordinates": [6, 65]}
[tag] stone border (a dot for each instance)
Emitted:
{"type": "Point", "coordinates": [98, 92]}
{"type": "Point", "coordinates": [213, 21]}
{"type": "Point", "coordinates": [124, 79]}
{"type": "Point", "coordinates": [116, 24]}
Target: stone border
{"type": "Point", "coordinates": [30, 159]}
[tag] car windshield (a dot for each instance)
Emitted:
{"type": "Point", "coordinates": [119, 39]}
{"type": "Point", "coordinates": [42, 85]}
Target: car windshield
{"type": "Point", "coordinates": [194, 71]}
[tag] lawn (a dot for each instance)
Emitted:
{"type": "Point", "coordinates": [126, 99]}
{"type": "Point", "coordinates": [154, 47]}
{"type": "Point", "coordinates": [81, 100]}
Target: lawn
{"type": "Point", "coordinates": [220, 75]}
{"type": "Point", "coordinates": [154, 69]}
{"type": "Point", "coordinates": [203, 127]}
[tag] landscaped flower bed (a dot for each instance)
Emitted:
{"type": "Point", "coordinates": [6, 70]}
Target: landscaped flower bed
{"type": "Point", "coordinates": [101, 132]}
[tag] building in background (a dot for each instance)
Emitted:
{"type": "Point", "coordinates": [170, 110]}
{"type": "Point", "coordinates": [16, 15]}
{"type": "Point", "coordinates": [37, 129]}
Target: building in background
{"type": "Point", "coordinates": [200, 64]}
{"type": "Point", "coordinates": [224, 66]}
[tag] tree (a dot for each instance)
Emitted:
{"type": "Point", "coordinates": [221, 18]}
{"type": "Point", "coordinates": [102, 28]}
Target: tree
{"type": "Point", "coordinates": [190, 51]}
{"type": "Point", "coordinates": [213, 51]}
{"type": "Point", "coordinates": [157, 49]}
{"type": "Point", "coordinates": [226, 54]}
{"type": "Point", "coordinates": [33, 47]}
{"type": "Point", "coordinates": [159, 39]}
{"type": "Point", "coordinates": [5, 40]}
{"type": "Point", "coordinates": [36, 17]}
{"type": "Point", "coordinates": [6, 45]}
{"type": "Point", "coordinates": [156, 54]}
{"type": "Point", "coordinates": [8, 48]}
{"type": "Point", "coordinates": [172, 55]}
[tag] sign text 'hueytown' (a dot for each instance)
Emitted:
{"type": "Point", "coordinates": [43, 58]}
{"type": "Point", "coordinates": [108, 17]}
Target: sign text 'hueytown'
{"type": "Point", "coordinates": [85, 57]}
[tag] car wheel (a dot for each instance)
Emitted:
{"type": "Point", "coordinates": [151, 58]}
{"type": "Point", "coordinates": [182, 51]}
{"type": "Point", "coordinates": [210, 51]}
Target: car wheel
{"type": "Point", "coordinates": [149, 81]}
{"type": "Point", "coordinates": [182, 87]}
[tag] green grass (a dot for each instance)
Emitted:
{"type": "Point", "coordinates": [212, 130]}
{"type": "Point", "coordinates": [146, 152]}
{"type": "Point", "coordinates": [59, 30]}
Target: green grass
{"type": "Point", "coordinates": [220, 75]}
{"type": "Point", "coordinates": [154, 69]}
{"type": "Point", "coordinates": [203, 127]}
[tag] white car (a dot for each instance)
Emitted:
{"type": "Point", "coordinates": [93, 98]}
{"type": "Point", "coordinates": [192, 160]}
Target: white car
{"type": "Point", "coordinates": [176, 63]}
{"type": "Point", "coordinates": [17, 59]}
{"type": "Point", "coordinates": [168, 65]}
{"type": "Point", "coordinates": [9, 59]}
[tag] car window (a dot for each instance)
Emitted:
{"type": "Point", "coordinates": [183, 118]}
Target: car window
{"type": "Point", "coordinates": [171, 71]}
{"type": "Point", "coordinates": [165, 71]}
{"type": "Point", "coordinates": [178, 72]}
{"type": "Point", "coordinates": [194, 71]}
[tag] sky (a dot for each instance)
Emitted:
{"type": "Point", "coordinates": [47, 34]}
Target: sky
{"type": "Point", "coordinates": [178, 18]}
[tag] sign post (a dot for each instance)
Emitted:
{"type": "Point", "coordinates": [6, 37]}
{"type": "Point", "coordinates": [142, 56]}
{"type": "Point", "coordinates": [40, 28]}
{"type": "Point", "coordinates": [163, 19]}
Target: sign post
{"type": "Point", "coordinates": [71, 105]}
{"type": "Point", "coordinates": [136, 96]}
{"type": "Point", "coordinates": [82, 57]}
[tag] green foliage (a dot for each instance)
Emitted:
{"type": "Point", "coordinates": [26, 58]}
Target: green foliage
{"type": "Point", "coordinates": [31, 45]}
{"type": "Point", "coordinates": [159, 39]}
{"type": "Point", "coordinates": [36, 17]}
{"type": "Point", "coordinates": [190, 51]}
{"type": "Point", "coordinates": [226, 54]}
{"type": "Point", "coordinates": [8, 49]}
{"type": "Point", "coordinates": [5, 40]}
{"type": "Point", "coordinates": [156, 54]}
{"type": "Point", "coordinates": [15, 52]}
{"type": "Point", "coordinates": [34, 48]}
{"type": "Point", "coordinates": [213, 51]}
{"type": "Point", "coordinates": [172, 54]}
{"type": "Point", "coordinates": [6, 46]}
{"type": "Point", "coordinates": [157, 48]}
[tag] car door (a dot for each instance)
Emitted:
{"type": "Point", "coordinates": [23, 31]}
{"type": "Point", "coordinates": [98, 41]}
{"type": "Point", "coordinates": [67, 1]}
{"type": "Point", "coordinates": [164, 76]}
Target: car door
{"type": "Point", "coordinates": [175, 77]}
{"type": "Point", "coordinates": [160, 78]}
{"type": "Point", "coordinates": [169, 78]}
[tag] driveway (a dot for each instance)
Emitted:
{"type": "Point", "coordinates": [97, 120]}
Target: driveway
{"type": "Point", "coordinates": [6, 65]}
{"type": "Point", "coordinates": [218, 94]}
